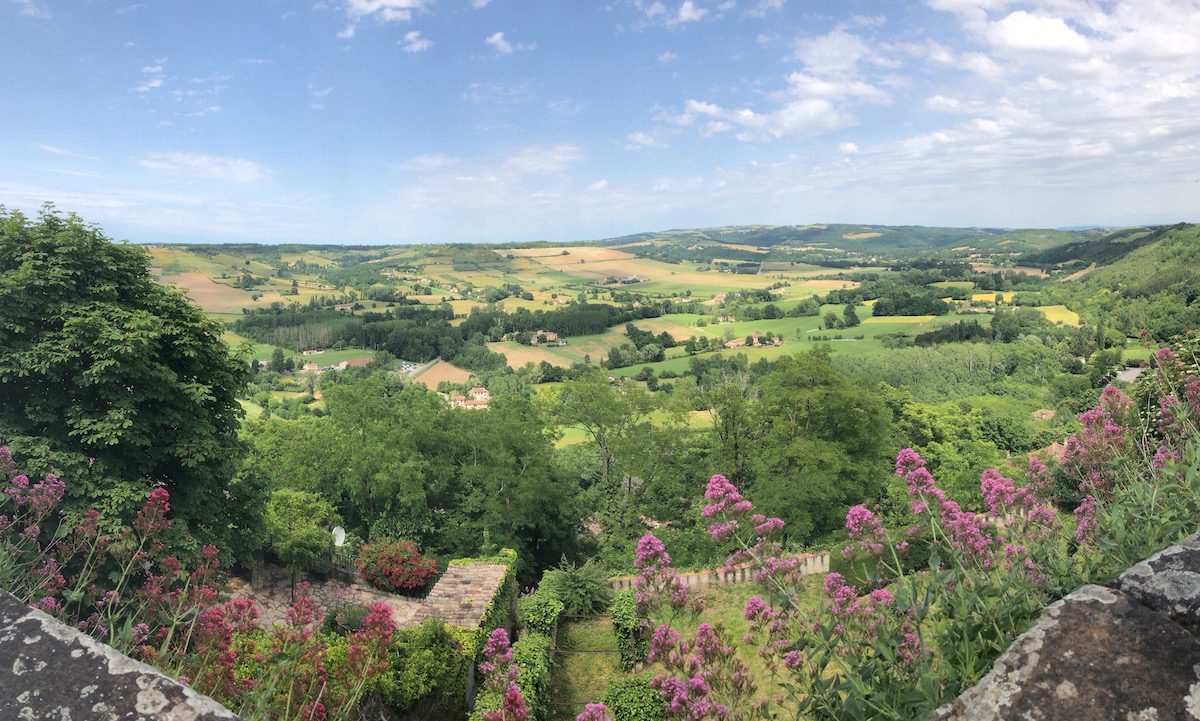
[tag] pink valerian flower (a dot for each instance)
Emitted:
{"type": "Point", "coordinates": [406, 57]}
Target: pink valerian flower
{"type": "Point", "coordinates": [6, 461]}
{"type": "Point", "coordinates": [153, 516]}
{"type": "Point", "coordinates": [663, 642]}
{"type": "Point", "coordinates": [500, 675]}
{"type": "Point", "coordinates": [1085, 518]}
{"type": "Point", "coordinates": [303, 611]}
{"type": "Point", "coordinates": [1191, 395]}
{"type": "Point", "coordinates": [594, 712]}
{"type": "Point", "coordinates": [41, 498]}
{"type": "Point", "coordinates": [657, 582]}
{"type": "Point", "coordinates": [1165, 456]}
{"type": "Point", "coordinates": [1091, 455]}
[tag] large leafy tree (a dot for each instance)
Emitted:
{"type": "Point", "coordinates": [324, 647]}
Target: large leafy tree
{"type": "Point", "coordinates": [824, 444]}
{"type": "Point", "coordinates": [104, 369]}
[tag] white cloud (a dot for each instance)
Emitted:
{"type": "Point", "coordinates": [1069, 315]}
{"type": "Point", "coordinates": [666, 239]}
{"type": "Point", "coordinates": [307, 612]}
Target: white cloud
{"type": "Point", "coordinates": [31, 9]}
{"type": "Point", "coordinates": [809, 116]}
{"type": "Point", "coordinates": [317, 95]}
{"type": "Point", "coordinates": [599, 184]}
{"type": "Point", "coordinates": [414, 43]}
{"type": "Point", "coordinates": [152, 77]}
{"type": "Point", "coordinates": [501, 44]}
{"type": "Point", "coordinates": [200, 165]}
{"type": "Point", "coordinates": [385, 10]}
{"type": "Point", "coordinates": [689, 13]}
{"type": "Point", "coordinates": [541, 160]}
{"type": "Point", "coordinates": [848, 148]}
{"type": "Point", "coordinates": [479, 4]}
{"type": "Point", "coordinates": [55, 150]}
{"type": "Point", "coordinates": [668, 57]}
{"type": "Point", "coordinates": [1023, 31]}
{"type": "Point", "coordinates": [347, 32]}
{"type": "Point", "coordinates": [497, 41]}
{"type": "Point", "coordinates": [640, 139]}
{"type": "Point", "coordinates": [763, 7]}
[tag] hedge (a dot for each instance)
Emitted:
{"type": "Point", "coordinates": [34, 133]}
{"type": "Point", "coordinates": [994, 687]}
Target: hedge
{"type": "Point", "coordinates": [630, 698]}
{"type": "Point", "coordinates": [540, 611]}
{"type": "Point", "coordinates": [532, 657]}
{"type": "Point", "coordinates": [629, 628]}
{"type": "Point", "coordinates": [498, 608]}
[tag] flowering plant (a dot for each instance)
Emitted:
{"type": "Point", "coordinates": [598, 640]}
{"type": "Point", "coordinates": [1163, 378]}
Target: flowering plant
{"type": "Point", "coordinates": [923, 635]}
{"type": "Point", "coordinates": [395, 566]}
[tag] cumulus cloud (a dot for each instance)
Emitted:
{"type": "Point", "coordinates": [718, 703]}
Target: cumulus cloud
{"type": "Point", "coordinates": [31, 9]}
{"type": "Point", "coordinates": [848, 148]}
{"type": "Point", "coordinates": [599, 184]}
{"type": "Point", "coordinates": [414, 43]}
{"type": "Point", "coordinates": [689, 12]}
{"type": "Point", "coordinates": [668, 57]}
{"type": "Point", "coordinates": [503, 46]}
{"type": "Point", "coordinates": [479, 4]}
{"type": "Point", "coordinates": [152, 76]}
{"type": "Point", "coordinates": [200, 165]}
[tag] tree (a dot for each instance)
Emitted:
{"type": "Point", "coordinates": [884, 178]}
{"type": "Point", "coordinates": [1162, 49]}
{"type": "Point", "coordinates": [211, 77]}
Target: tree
{"type": "Point", "coordinates": [831, 320]}
{"type": "Point", "coordinates": [825, 443]}
{"type": "Point", "coordinates": [604, 412]}
{"type": "Point", "coordinates": [298, 527]}
{"type": "Point", "coordinates": [278, 362]}
{"type": "Point", "coordinates": [99, 362]}
{"type": "Point", "coordinates": [849, 317]}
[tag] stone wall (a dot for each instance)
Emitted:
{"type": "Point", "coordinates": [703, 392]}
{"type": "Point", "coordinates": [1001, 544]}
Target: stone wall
{"type": "Point", "coordinates": [810, 563]}
{"type": "Point", "coordinates": [1128, 651]}
{"type": "Point", "coordinates": [51, 671]}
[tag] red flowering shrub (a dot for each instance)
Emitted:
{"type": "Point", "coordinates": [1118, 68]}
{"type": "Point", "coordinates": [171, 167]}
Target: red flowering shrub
{"type": "Point", "coordinates": [395, 566]}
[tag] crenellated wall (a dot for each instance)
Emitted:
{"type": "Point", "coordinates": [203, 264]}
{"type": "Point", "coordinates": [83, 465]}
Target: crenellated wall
{"type": "Point", "coordinates": [809, 563]}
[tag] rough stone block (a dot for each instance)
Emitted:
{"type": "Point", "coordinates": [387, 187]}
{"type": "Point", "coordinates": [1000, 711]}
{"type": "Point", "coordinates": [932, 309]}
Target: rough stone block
{"type": "Point", "coordinates": [1096, 655]}
{"type": "Point", "coordinates": [1168, 582]}
{"type": "Point", "coordinates": [51, 671]}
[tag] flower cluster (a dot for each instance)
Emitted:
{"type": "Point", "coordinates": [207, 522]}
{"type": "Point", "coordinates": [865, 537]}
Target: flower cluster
{"type": "Point", "coordinates": [395, 566]}
{"type": "Point", "coordinates": [500, 677]}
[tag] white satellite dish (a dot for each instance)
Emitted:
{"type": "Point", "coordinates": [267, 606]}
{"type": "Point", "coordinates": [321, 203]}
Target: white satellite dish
{"type": "Point", "coordinates": [339, 536]}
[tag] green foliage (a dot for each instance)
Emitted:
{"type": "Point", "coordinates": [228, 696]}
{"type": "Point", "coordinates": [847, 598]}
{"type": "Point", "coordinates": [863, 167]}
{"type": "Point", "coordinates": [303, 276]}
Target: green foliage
{"type": "Point", "coordinates": [298, 526]}
{"type": "Point", "coordinates": [532, 655]}
{"type": "Point", "coordinates": [540, 611]}
{"type": "Point", "coordinates": [105, 364]}
{"type": "Point", "coordinates": [629, 628]}
{"type": "Point", "coordinates": [630, 698]}
{"type": "Point", "coordinates": [583, 590]}
{"type": "Point", "coordinates": [427, 663]}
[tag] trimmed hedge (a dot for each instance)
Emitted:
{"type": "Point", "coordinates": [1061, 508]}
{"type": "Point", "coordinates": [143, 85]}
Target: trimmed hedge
{"type": "Point", "coordinates": [630, 630]}
{"type": "Point", "coordinates": [540, 611]}
{"type": "Point", "coordinates": [427, 662]}
{"type": "Point", "coordinates": [630, 698]}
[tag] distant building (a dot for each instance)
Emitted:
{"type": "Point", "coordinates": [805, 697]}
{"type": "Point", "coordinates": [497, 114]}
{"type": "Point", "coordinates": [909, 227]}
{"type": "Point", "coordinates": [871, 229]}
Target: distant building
{"type": "Point", "coordinates": [352, 363]}
{"type": "Point", "coordinates": [476, 399]}
{"type": "Point", "coordinates": [314, 351]}
{"type": "Point", "coordinates": [543, 336]}
{"type": "Point", "coordinates": [310, 368]}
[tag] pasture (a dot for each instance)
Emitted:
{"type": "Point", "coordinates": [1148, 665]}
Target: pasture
{"type": "Point", "coordinates": [439, 371]}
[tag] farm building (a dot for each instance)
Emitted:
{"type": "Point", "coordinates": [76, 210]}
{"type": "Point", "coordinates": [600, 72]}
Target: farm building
{"type": "Point", "coordinates": [543, 336]}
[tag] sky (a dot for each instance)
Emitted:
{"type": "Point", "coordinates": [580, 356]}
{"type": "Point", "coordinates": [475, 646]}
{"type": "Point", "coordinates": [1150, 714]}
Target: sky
{"type": "Point", "coordinates": [404, 121]}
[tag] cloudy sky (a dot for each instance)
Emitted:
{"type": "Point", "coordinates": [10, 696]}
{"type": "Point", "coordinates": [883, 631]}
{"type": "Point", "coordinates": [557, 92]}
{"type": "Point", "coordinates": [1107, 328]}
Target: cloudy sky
{"type": "Point", "coordinates": [373, 121]}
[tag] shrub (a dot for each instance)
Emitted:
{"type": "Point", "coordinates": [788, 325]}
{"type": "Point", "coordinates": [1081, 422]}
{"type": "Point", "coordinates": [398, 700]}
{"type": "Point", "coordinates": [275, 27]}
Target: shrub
{"type": "Point", "coordinates": [629, 627]}
{"type": "Point", "coordinates": [425, 662]}
{"type": "Point", "coordinates": [584, 590]}
{"type": "Point", "coordinates": [345, 618]}
{"type": "Point", "coordinates": [395, 566]}
{"type": "Point", "coordinates": [540, 611]}
{"type": "Point", "coordinates": [531, 654]}
{"type": "Point", "coordinates": [632, 699]}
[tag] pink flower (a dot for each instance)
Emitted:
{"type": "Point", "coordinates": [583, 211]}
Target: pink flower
{"type": "Point", "coordinates": [594, 712]}
{"type": "Point", "coordinates": [1085, 518]}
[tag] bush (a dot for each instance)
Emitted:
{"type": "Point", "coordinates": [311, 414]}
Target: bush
{"type": "Point", "coordinates": [540, 611]}
{"type": "Point", "coordinates": [345, 618]}
{"type": "Point", "coordinates": [584, 590]}
{"type": "Point", "coordinates": [395, 566]}
{"type": "Point", "coordinates": [631, 699]}
{"type": "Point", "coordinates": [425, 662]}
{"type": "Point", "coordinates": [629, 628]}
{"type": "Point", "coordinates": [532, 655]}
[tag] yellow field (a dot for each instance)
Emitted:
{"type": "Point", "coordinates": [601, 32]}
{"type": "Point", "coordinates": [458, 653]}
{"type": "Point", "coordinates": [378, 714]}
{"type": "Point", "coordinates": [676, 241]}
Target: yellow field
{"type": "Point", "coordinates": [1028, 270]}
{"type": "Point", "coordinates": [1008, 296]}
{"type": "Point", "coordinates": [208, 294]}
{"type": "Point", "coordinates": [518, 355]}
{"type": "Point", "coordinates": [566, 256]}
{"type": "Point", "coordinates": [861, 236]}
{"type": "Point", "coordinates": [1060, 314]}
{"type": "Point", "coordinates": [441, 371]}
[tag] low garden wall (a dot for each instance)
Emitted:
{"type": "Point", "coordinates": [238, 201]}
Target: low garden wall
{"type": "Point", "coordinates": [809, 563]}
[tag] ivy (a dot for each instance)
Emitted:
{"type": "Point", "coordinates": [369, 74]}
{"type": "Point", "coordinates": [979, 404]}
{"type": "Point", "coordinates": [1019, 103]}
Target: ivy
{"type": "Point", "coordinates": [629, 628]}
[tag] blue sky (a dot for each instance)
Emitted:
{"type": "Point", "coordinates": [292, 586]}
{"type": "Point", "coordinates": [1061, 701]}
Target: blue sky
{"type": "Point", "coordinates": [383, 121]}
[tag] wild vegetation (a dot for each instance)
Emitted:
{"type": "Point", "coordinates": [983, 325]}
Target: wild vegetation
{"type": "Point", "coordinates": [163, 445]}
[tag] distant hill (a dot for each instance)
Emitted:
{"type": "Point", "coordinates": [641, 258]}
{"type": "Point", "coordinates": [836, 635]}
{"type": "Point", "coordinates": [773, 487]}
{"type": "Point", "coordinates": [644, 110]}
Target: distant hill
{"type": "Point", "coordinates": [823, 242]}
{"type": "Point", "coordinates": [1101, 251]}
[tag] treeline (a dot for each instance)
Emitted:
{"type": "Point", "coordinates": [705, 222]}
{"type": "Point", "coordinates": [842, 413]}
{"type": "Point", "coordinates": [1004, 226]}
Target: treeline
{"type": "Point", "coordinates": [572, 320]}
